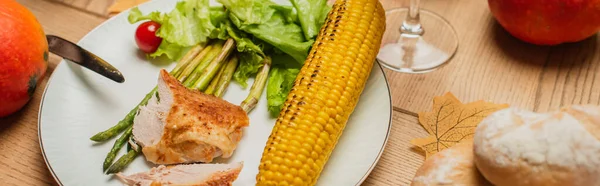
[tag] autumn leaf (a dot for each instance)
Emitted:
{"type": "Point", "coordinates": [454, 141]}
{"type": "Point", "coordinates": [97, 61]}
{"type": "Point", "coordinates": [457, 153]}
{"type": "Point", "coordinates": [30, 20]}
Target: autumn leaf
{"type": "Point", "coordinates": [451, 121]}
{"type": "Point", "coordinates": [121, 5]}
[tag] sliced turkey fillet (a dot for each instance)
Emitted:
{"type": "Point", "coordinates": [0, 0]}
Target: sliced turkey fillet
{"type": "Point", "coordinates": [187, 126]}
{"type": "Point", "coordinates": [191, 174]}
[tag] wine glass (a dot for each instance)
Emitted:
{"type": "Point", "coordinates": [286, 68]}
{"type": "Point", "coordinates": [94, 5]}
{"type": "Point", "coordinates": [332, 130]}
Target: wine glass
{"type": "Point", "coordinates": [416, 41]}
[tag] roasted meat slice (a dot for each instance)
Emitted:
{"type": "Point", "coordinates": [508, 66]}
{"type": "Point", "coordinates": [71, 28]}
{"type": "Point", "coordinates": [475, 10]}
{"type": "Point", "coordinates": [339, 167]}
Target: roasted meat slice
{"type": "Point", "coordinates": [180, 125]}
{"type": "Point", "coordinates": [192, 174]}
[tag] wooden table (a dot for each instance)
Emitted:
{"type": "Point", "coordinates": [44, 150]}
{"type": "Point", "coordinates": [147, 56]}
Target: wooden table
{"type": "Point", "coordinates": [489, 65]}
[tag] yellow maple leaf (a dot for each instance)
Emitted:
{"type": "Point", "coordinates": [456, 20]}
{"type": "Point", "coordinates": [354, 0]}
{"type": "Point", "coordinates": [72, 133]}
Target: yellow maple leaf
{"type": "Point", "coordinates": [451, 121]}
{"type": "Point", "coordinates": [121, 5]}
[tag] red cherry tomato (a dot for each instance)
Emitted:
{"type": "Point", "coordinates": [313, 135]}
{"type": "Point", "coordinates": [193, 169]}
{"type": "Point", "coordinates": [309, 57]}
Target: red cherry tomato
{"type": "Point", "coordinates": [145, 36]}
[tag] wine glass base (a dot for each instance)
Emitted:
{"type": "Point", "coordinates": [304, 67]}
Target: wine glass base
{"type": "Point", "coordinates": [417, 53]}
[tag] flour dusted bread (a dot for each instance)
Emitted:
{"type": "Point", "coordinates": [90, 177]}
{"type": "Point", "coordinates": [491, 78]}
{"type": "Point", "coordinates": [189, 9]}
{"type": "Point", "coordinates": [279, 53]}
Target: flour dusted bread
{"type": "Point", "coordinates": [515, 147]}
{"type": "Point", "coordinates": [452, 166]}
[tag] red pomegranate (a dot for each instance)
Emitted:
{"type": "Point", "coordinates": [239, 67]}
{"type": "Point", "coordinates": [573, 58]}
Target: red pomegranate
{"type": "Point", "coordinates": [548, 22]}
{"type": "Point", "coordinates": [23, 56]}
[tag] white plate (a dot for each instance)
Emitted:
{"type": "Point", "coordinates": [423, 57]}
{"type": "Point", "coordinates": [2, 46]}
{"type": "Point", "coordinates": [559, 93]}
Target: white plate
{"type": "Point", "coordinates": [78, 103]}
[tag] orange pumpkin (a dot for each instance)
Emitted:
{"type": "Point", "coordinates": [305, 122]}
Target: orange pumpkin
{"type": "Point", "coordinates": [23, 56]}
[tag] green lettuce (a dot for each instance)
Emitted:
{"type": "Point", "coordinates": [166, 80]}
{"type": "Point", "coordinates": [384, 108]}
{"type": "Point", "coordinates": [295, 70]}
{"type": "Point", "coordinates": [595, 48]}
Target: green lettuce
{"type": "Point", "coordinates": [218, 14]}
{"type": "Point", "coordinates": [135, 15]}
{"type": "Point", "coordinates": [249, 65]}
{"type": "Point", "coordinates": [189, 23]}
{"type": "Point", "coordinates": [275, 24]}
{"type": "Point", "coordinates": [280, 83]}
{"type": "Point", "coordinates": [244, 42]}
{"type": "Point", "coordinates": [312, 14]}
{"type": "Point", "coordinates": [172, 51]}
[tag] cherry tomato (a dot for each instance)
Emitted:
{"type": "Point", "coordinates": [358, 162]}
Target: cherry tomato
{"type": "Point", "coordinates": [145, 36]}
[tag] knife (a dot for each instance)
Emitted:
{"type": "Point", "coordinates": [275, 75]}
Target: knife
{"type": "Point", "coordinates": [76, 54]}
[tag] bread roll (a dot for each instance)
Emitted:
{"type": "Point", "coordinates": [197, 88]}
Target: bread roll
{"type": "Point", "coordinates": [520, 148]}
{"type": "Point", "coordinates": [452, 166]}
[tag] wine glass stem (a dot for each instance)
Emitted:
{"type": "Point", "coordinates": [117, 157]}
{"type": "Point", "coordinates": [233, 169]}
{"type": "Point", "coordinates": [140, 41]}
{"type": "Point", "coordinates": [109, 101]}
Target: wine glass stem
{"type": "Point", "coordinates": [412, 23]}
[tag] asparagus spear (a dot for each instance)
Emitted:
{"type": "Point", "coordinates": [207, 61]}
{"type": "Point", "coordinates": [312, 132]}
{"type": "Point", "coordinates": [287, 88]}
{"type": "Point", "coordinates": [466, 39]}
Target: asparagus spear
{"type": "Point", "coordinates": [197, 60]}
{"type": "Point", "coordinates": [225, 78]}
{"type": "Point", "coordinates": [209, 72]}
{"type": "Point", "coordinates": [257, 87]}
{"type": "Point", "coordinates": [123, 162]}
{"type": "Point", "coordinates": [185, 60]}
{"type": "Point", "coordinates": [203, 64]}
{"type": "Point", "coordinates": [116, 147]}
{"type": "Point", "coordinates": [214, 82]}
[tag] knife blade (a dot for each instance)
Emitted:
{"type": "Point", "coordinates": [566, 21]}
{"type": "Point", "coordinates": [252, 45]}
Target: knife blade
{"type": "Point", "coordinates": [78, 55]}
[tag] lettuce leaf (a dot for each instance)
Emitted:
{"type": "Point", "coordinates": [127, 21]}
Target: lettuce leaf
{"type": "Point", "coordinates": [172, 51]}
{"type": "Point", "coordinates": [135, 15]}
{"type": "Point", "coordinates": [248, 67]}
{"type": "Point", "coordinates": [188, 24]}
{"type": "Point", "coordinates": [218, 16]}
{"type": "Point", "coordinates": [272, 23]}
{"type": "Point", "coordinates": [279, 84]}
{"type": "Point", "coordinates": [312, 14]}
{"type": "Point", "coordinates": [244, 42]}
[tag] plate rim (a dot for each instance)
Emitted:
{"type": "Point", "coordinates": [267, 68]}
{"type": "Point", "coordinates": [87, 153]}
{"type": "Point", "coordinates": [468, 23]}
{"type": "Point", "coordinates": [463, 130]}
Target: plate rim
{"type": "Point", "coordinates": [389, 130]}
{"type": "Point", "coordinates": [62, 61]}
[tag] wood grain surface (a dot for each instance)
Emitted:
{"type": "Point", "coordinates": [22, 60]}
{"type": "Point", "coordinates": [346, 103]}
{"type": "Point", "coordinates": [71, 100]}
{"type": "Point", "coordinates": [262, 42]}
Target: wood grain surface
{"type": "Point", "coordinates": [490, 65]}
{"type": "Point", "coordinates": [95, 7]}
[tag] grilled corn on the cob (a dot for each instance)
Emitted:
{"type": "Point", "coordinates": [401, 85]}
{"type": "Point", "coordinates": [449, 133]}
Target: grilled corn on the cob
{"type": "Point", "coordinates": [324, 94]}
